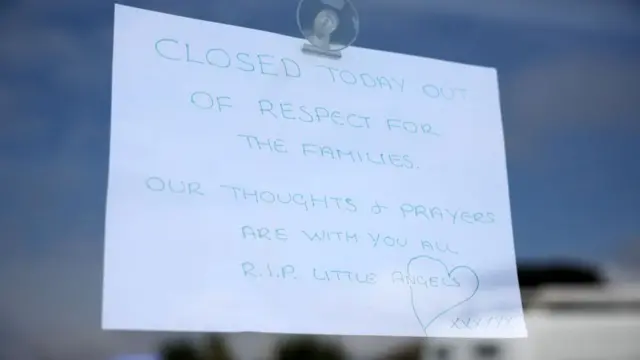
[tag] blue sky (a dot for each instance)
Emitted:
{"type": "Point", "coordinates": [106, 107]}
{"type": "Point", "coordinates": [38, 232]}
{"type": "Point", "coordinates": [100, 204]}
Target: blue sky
{"type": "Point", "coordinates": [570, 87]}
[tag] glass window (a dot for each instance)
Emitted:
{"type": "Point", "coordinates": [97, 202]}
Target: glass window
{"type": "Point", "coordinates": [569, 80]}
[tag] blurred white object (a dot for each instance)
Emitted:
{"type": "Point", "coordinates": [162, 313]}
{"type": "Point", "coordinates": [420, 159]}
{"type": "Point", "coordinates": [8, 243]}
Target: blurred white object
{"type": "Point", "coordinates": [569, 322]}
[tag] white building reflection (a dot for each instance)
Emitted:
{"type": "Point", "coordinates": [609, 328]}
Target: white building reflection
{"type": "Point", "coordinates": [566, 322]}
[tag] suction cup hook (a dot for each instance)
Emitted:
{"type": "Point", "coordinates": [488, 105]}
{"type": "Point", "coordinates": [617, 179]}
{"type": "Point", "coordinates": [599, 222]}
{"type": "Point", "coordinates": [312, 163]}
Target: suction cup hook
{"type": "Point", "coordinates": [329, 25]}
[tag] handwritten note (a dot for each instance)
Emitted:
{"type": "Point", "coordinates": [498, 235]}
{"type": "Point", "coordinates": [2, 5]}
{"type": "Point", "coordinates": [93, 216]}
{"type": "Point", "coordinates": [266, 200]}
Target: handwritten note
{"type": "Point", "coordinates": [256, 188]}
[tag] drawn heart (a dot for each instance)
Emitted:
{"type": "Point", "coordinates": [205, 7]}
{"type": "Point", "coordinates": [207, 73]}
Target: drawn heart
{"type": "Point", "coordinates": [435, 290]}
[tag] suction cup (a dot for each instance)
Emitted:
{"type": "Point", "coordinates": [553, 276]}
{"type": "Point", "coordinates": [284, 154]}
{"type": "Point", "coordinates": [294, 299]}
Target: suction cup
{"type": "Point", "coordinates": [329, 25]}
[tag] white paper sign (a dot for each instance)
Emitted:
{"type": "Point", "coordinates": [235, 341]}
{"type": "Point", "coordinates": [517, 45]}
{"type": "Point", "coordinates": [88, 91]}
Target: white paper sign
{"type": "Point", "coordinates": [256, 188]}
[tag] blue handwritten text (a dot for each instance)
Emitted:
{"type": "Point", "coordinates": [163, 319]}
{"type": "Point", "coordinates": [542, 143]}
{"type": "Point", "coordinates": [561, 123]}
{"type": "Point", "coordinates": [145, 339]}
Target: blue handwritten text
{"type": "Point", "coordinates": [159, 184]}
{"type": "Point", "coordinates": [410, 127]}
{"type": "Point", "coordinates": [431, 282]}
{"type": "Point", "coordinates": [446, 93]}
{"type": "Point", "coordinates": [273, 145]}
{"type": "Point", "coordinates": [318, 114]}
{"type": "Point", "coordinates": [363, 79]}
{"type": "Point", "coordinates": [354, 156]}
{"type": "Point", "coordinates": [263, 64]}
{"type": "Point", "coordinates": [345, 276]}
{"type": "Point", "coordinates": [305, 201]}
{"type": "Point", "coordinates": [437, 247]}
{"type": "Point", "coordinates": [389, 241]}
{"type": "Point", "coordinates": [264, 233]}
{"type": "Point", "coordinates": [331, 236]}
{"type": "Point", "coordinates": [252, 270]}
{"type": "Point", "coordinates": [482, 322]}
{"type": "Point", "coordinates": [204, 100]}
{"type": "Point", "coordinates": [442, 214]}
